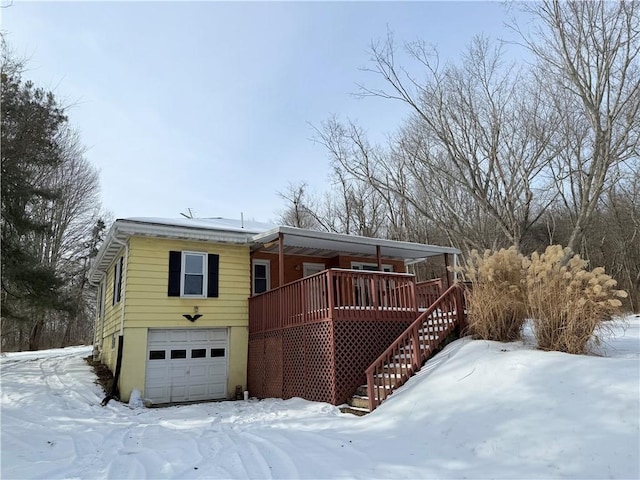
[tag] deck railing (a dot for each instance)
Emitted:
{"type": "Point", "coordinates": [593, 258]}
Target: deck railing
{"type": "Point", "coordinates": [347, 294]}
{"type": "Point", "coordinates": [428, 292]}
{"type": "Point", "coordinates": [405, 356]}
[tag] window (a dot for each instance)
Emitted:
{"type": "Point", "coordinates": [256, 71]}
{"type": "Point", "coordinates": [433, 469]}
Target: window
{"type": "Point", "coordinates": [194, 269]}
{"type": "Point", "coordinates": [217, 352]}
{"type": "Point", "coordinates": [157, 355]}
{"type": "Point", "coordinates": [117, 281]}
{"type": "Point", "coordinates": [311, 268]}
{"type": "Point", "coordinates": [261, 276]}
{"type": "Point", "coordinates": [372, 267]}
{"type": "Point", "coordinates": [193, 274]}
{"type": "Point", "coordinates": [178, 354]}
{"type": "Point", "coordinates": [199, 353]}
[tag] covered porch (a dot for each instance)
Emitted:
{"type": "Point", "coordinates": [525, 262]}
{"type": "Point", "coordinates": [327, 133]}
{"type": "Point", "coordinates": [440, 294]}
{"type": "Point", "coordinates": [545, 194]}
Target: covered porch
{"type": "Point", "coordinates": [312, 334]}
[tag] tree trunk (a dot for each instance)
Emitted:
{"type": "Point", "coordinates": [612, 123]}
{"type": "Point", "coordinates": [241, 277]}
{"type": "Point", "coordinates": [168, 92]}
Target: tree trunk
{"type": "Point", "coordinates": [36, 334]}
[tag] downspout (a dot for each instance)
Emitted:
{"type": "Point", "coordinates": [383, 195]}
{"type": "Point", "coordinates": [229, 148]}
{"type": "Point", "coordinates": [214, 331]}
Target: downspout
{"type": "Point", "coordinates": [100, 312]}
{"type": "Point", "coordinates": [116, 376]}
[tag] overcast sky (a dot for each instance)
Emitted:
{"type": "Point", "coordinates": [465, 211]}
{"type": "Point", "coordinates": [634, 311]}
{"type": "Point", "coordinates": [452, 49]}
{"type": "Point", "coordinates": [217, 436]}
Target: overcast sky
{"type": "Point", "coordinates": [208, 105]}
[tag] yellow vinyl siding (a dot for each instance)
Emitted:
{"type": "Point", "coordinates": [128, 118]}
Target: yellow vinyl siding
{"type": "Point", "coordinates": [112, 317]}
{"type": "Point", "coordinates": [147, 305]}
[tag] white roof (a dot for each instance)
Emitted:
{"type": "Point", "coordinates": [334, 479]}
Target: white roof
{"type": "Point", "coordinates": [298, 241]}
{"type": "Point", "coordinates": [217, 223]}
{"type": "Point", "coordinates": [220, 230]}
{"type": "Point", "coordinates": [261, 236]}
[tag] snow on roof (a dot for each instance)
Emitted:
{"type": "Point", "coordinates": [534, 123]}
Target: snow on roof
{"type": "Point", "coordinates": [217, 223]}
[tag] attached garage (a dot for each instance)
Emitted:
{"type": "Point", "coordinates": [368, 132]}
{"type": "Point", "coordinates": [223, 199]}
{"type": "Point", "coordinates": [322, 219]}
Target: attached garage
{"type": "Point", "coordinates": [186, 365]}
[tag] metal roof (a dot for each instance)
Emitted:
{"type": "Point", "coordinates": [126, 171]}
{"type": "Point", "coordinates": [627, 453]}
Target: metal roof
{"type": "Point", "coordinates": [260, 236]}
{"type": "Point", "coordinates": [202, 229]}
{"type": "Point", "coordinates": [298, 241]}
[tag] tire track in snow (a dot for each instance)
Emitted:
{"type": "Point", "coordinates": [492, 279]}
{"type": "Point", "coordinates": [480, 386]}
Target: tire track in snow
{"type": "Point", "coordinates": [277, 459]}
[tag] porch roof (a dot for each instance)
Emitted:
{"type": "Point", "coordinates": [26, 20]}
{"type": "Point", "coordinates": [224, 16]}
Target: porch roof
{"type": "Point", "coordinates": [298, 241]}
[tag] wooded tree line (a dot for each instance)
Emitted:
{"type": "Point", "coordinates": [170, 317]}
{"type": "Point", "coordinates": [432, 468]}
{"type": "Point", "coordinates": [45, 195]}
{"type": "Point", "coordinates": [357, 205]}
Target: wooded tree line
{"type": "Point", "coordinates": [51, 224]}
{"type": "Point", "coordinates": [495, 153]}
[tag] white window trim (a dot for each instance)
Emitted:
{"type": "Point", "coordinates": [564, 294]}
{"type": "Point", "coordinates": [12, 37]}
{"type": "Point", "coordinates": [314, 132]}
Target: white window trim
{"type": "Point", "coordinates": [267, 264]}
{"type": "Point", "coordinates": [183, 273]}
{"type": "Point", "coordinates": [355, 265]}
{"type": "Point", "coordinates": [310, 265]}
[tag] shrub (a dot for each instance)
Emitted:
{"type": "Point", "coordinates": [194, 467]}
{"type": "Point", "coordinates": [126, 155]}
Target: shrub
{"type": "Point", "coordinates": [566, 302]}
{"type": "Point", "coordinates": [496, 308]}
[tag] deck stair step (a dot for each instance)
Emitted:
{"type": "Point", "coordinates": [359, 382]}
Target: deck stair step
{"type": "Point", "coordinates": [359, 402]}
{"type": "Point", "coordinates": [397, 364]}
{"type": "Point", "coordinates": [355, 410]}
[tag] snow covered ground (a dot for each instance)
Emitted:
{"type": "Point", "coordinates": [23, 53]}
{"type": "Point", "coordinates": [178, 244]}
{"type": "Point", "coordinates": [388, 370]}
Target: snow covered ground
{"type": "Point", "coordinates": [477, 410]}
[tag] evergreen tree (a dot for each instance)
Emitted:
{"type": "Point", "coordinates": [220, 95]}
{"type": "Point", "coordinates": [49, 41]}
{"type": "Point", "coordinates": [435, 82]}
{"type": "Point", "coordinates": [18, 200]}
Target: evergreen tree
{"type": "Point", "coordinates": [32, 120]}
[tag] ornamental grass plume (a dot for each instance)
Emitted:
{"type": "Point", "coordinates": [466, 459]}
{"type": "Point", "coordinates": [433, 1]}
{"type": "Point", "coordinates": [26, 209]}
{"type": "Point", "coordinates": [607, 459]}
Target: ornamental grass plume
{"type": "Point", "coordinates": [568, 303]}
{"type": "Point", "coordinates": [496, 303]}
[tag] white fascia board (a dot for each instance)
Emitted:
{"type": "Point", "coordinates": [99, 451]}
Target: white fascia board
{"type": "Point", "coordinates": [129, 228]}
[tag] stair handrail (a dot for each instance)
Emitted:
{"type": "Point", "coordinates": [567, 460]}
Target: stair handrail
{"type": "Point", "coordinates": [411, 335]}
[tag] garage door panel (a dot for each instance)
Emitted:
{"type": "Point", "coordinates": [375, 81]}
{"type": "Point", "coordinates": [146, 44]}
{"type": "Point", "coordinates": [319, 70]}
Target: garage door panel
{"type": "Point", "coordinates": [178, 392]}
{"type": "Point", "coordinates": [157, 372]}
{"type": "Point", "coordinates": [186, 365]}
{"type": "Point", "coordinates": [157, 336]}
{"type": "Point", "coordinates": [179, 336]}
{"type": "Point", "coordinates": [159, 394]}
{"type": "Point", "coordinates": [216, 389]}
{"type": "Point", "coordinates": [197, 390]}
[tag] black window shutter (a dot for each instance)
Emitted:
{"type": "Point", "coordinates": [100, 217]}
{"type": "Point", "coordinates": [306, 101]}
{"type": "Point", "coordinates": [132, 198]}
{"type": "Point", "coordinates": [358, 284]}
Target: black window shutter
{"type": "Point", "coordinates": [212, 275]}
{"type": "Point", "coordinates": [120, 279]}
{"type": "Point", "coordinates": [115, 284]}
{"type": "Point", "coordinates": [175, 267]}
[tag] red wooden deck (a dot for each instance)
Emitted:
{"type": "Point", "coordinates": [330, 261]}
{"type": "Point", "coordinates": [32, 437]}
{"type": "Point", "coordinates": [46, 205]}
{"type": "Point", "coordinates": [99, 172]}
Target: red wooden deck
{"type": "Point", "coordinates": [315, 337]}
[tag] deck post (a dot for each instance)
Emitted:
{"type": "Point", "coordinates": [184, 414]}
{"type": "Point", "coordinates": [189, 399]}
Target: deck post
{"type": "Point", "coordinates": [329, 277]}
{"type": "Point", "coordinates": [374, 296]}
{"type": "Point", "coordinates": [413, 295]}
{"type": "Point", "coordinates": [379, 258]}
{"type": "Point", "coordinates": [415, 340]}
{"type": "Point", "coordinates": [460, 310]}
{"type": "Point", "coordinates": [280, 259]}
{"type": "Point", "coordinates": [446, 269]}
{"type": "Point", "coordinates": [281, 303]}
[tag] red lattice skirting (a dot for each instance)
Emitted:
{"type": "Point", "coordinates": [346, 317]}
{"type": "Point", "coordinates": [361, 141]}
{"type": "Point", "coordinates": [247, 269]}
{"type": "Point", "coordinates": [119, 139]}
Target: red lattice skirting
{"type": "Point", "coordinates": [324, 361]}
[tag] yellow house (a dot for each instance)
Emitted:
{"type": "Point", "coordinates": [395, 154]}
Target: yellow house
{"type": "Point", "coordinates": [174, 301]}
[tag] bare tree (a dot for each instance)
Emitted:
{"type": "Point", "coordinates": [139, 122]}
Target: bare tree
{"type": "Point", "coordinates": [300, 208]}
{"type": "Point", "coordinates": [477, 128]}
{"type": "Point", "coordinates": [587, 54]}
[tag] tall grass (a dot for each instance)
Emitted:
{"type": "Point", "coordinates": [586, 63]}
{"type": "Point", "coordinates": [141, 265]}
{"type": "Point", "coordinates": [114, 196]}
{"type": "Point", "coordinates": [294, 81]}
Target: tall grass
{"type": "Point", "coordinates": [496, 308]}
{"type": "Point", "coordinates": [568, 303]}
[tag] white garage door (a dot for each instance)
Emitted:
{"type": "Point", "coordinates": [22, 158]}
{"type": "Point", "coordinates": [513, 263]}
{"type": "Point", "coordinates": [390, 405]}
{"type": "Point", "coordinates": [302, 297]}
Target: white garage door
{"type": "Point", "coordinates": [186, 364]}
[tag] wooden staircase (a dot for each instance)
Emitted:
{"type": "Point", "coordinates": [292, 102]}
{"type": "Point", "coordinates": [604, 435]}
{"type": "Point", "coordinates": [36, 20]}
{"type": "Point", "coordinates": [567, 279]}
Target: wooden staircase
{"type": "Point", "coordinates": [406, 355]}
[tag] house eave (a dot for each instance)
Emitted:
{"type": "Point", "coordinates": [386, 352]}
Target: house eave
{"type": "Point", "coordinates": [123, 229]}
{"type": "Point", "coordinates": [307, 242]}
